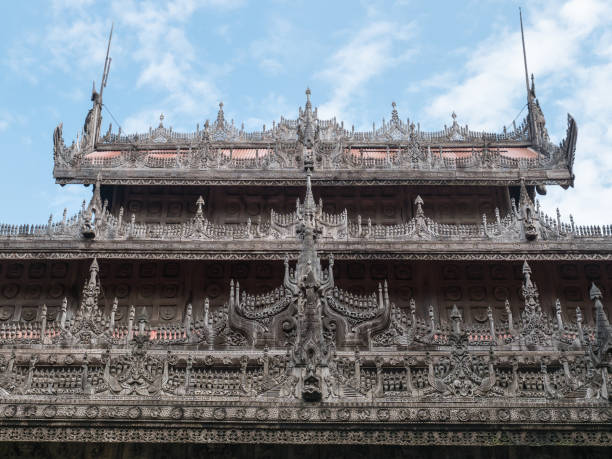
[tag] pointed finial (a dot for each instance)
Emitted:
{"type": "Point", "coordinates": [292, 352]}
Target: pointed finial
{"type": "Point", "coordinates": [161, 120]}
{"type": "Point", "coordinates": [524, 198]}
{"type": "Point", "coordinates": [418, 202]}
{"type": "Point", "coordinates": [595, 293]}
{"type": "Point", "coordinates": [531, 124]}
{"type": "Point", "coordinates": [394, 115]}
{"type": "Point", "coordinates": [220, 115]}
{"type": "Point", "coordinates": [526, 268]}
{"type": "Point", "coordinates": [94, 265]}
{"type": "Point", "coordinates": [308, 106]}
{"type": "Point", "coordinates": [309, 202]}
{"type": "Point", "coordinates": [200, 206]}
{"type": "Point", "coordinates": [454, 117]}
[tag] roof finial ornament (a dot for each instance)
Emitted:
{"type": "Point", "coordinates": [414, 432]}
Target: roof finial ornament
{"type": "Point", "coordinates": [308, 106]}
{"type": "Point", "coordinates": [394, 115]}
{"type": "Point", "coordinates": [220, 115]}
{"type": "Point", "coordinates": [94, 117]}
{"type": "Point", "coordinates": [418, 202]}
{"type": "Point", "coordinates": [454, 117]}
{"type": "Point", "coordinates": [307, 129]}
{"type": "Point", "coordinates": [530, 97]}
{"type": "Point", "coordinates": [200, 207]}
{"type": "Point", "coordinates": [161, 120]}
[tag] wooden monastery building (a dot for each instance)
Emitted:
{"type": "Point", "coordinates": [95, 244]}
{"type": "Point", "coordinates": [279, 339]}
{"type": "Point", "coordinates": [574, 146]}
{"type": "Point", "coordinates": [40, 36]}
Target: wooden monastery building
{"type": "Point", "coordinates": [308, 290]}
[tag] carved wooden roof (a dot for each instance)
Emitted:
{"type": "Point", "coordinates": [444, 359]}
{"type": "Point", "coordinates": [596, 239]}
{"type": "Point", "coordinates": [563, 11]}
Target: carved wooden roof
{"type": "Point", "coordinates": [383, 154]}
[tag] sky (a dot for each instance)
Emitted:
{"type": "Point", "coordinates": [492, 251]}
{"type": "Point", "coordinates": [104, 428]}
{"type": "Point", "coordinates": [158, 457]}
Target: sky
{"type": "Point", "coordinates": [182, 57]}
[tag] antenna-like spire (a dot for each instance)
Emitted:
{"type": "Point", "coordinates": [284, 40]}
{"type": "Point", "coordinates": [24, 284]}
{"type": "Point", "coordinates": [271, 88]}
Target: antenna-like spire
{"type": "Point", "coordinates": [95, 113]}
{"type": "Point", "coordinates": [107, 63]}
{"type": "Point", "coordinates": [529, 97]}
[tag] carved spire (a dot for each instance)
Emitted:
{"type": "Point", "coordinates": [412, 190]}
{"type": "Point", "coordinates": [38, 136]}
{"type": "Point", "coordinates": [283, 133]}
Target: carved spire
{"type": "Point", "coordinates": [95, 205]}
{"type": "Point", "coordinates": [534, 329]}
{"type": "Point", "coordinates": [308, 260]}
{"type": "Point", "coordinates": [530, 292]}
{"type": "Point", "coordinates": [530, 119]}
{"type": "Point", "coordinates": [91, 292]}
{"type": "Point", "coordinates": [200, 207]}
{"type": "Point", "coordinates": [94, 209]}
{"type": "Point", "coordinates": [418, 202]}
{"type": "Point", "coordinates": [455, 317]}
{"type": "Point", "coordinates": [603, 331]}
{"type": "Point", "coordinates": [308, 106]}
{"type": "Point", "coordinates": [220, 116]}
{"type": "Point", "coordinates": [394, 115]}
{"type": "Point", "coordinates": [528, 213]}
{"type": "Point", "coordinates": [307, 131]}
{"type": "Point", "coordinates": [310, 205]}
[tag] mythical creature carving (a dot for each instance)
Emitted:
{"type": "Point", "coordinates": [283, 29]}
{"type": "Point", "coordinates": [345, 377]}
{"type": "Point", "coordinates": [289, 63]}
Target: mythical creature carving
{"type": "Point", "coordinates": [137, 373]}
{"type": "Point", "coordinates": [462, 374]}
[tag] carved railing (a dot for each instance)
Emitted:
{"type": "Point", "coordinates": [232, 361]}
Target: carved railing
{"type": "Point", "coordinates": [284, 226]}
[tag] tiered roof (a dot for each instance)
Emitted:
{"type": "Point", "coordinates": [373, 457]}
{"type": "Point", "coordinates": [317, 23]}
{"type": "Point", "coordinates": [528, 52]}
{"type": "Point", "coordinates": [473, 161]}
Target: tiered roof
{"type": "Point", "coordinates": [395, 152]}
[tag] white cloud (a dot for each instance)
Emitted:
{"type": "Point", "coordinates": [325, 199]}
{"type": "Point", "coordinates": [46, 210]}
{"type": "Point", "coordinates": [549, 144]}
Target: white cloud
{"type": "Point", "coordinates": [494, 71]}
{"type": "Point", "coordinates": [170, 64]}
{"type": "Point", "coordinates": [5, 121]}
{"type": "Point", "coordinates": [277, 48]}
{"type": "Point", "coordinates": [69, 197]}
{"type": "Point", "coordinates": [565, 47]}
{"type": "Point", "coordinates": [370, 52]}
{"type": "Point", "coordinates": [268, 109]}
{"type": "Point", "coordinates": [141, 121]}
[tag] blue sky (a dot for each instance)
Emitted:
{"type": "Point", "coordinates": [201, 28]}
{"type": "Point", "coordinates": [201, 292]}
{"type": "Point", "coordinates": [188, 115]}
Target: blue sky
{"type": "Point", "coordinates": [182, 57]}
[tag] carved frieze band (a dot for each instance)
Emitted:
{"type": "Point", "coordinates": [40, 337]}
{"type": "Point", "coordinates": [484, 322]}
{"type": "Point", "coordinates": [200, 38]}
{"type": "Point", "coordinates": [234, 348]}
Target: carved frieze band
{"type": "Point", "coordinates": [199, 432]}
{"type": "Point", "coordinates": [34, 254]}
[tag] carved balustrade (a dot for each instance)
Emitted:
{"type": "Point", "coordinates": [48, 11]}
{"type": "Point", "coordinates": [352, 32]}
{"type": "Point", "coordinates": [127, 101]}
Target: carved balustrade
{"type": "Point", "coordinates": [336, 227]}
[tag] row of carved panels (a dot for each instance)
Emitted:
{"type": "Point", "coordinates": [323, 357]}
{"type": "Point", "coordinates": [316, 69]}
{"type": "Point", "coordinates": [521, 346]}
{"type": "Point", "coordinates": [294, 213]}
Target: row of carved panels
{"type": "Point", "coordinates": [165, 288]}
{"type": "Point", "coordinates": [266, 270]}
{"type": "Point", "coordinates": [383, 205]}
{"type": "Point", "coordinates": [156, 314]}
{"type": "Point", "coordinates": [402, 290]}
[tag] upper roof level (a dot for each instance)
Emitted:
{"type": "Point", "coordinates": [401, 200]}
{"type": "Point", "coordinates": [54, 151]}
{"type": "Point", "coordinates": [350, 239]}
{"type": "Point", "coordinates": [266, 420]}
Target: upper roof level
{"type": "Point", "coordinates": [395, 152]}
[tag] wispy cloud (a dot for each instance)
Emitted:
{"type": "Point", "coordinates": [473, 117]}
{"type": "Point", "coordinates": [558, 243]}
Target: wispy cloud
{"type": "Point", "coordinates": [170, 63]}
{"type": "Point", "coordinates": [561, 48]}
{"type": "Point", "coordinates": [273, 51]}
{"type": "Point", "coordinates": [369, 52]}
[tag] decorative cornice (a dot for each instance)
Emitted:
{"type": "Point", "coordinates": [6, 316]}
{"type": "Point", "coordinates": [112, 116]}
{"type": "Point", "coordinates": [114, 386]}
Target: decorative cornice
{"type": "Point", "coordinates": [34, 253]}
{"type": "Point", "coordinates": [282, 178]}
